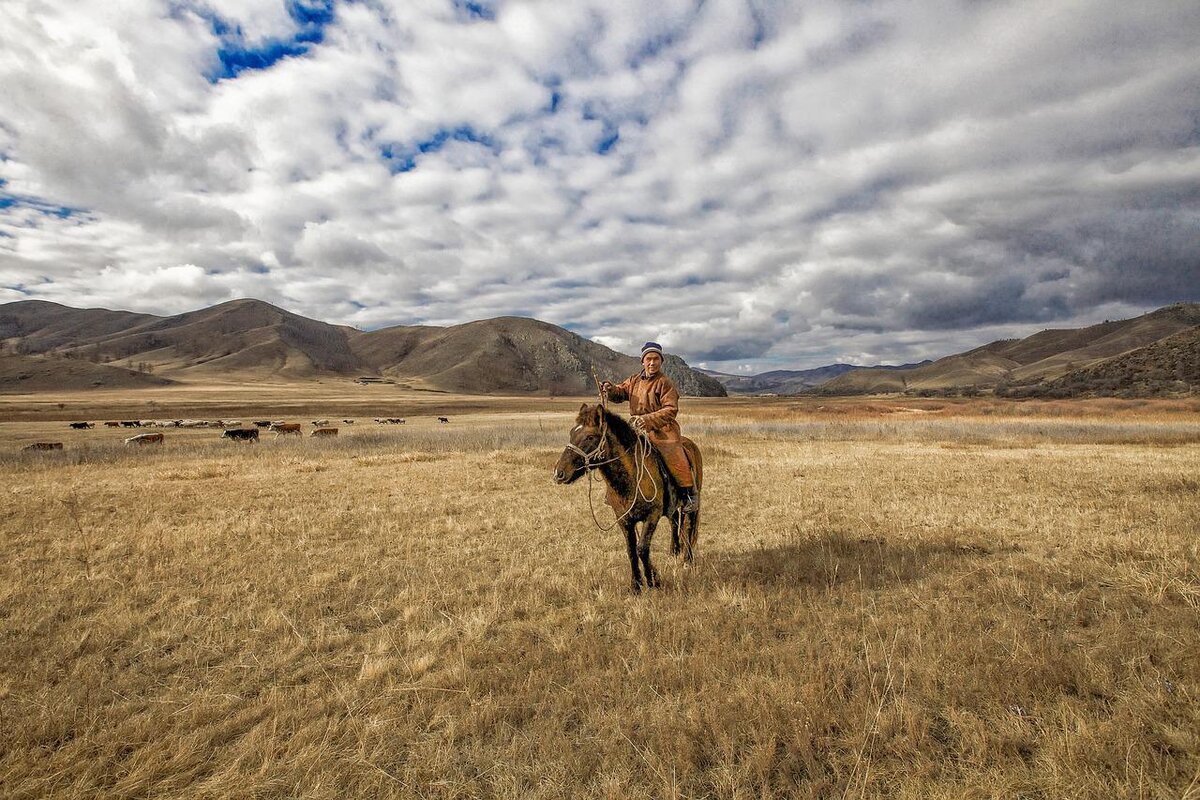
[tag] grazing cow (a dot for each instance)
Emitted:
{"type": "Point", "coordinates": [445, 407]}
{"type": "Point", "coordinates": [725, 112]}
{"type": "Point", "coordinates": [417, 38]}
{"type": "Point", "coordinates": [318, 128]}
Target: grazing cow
{"type": "Point", "coordinates": [82, 426]}
{"type": "Point", "coordinates": [241, 434]}
{"type": "Point", "coordinates": [112, 424]}
{"type": "Point", "coordinates": [348, 421]}
{"type": "Point", "coordinates": [396, 420]}
{"type": "Point", "coordinates": [324, 432]}
{"type": "Point", "coordinates": [131, 423]}
{"type": "Point", "coordinates": [443, 419]}
{"type": "Point", "coordinates": [262, 423]}
{"type": "Point", "coordinates": [146, 438]}
{"type": "Point", "coordinates": [320, 423]}
{"type": "Point", "coordinates": [43, 446]}
{"type": "Point", "coordinates": [284, 428]}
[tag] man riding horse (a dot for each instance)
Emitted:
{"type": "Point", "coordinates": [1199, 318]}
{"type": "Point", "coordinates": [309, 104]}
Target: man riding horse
{"type": "Point", "coordinates": [653, 404]}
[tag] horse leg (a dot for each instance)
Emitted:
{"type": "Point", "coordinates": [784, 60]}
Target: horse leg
{"type": "Point", "coordinates": [644, 551]}
{"type": "Point", "coordinates": [631, 544]}
{"type": "Point", "coordinates": [691, 525]}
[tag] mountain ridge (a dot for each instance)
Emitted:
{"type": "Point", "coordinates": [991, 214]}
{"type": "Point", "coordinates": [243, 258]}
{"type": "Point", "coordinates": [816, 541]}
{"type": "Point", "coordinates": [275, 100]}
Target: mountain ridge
{"type": "Point", "coordinates": [1050, 360]}
{"type": "Point", "coordinates": [248, 339]}
{"type": "Point", "coordinates": [788, 381]}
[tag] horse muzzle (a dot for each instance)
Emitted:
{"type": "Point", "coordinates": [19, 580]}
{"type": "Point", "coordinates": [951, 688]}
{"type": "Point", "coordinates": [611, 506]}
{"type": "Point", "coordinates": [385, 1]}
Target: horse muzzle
{"type": "Point", "coordinates": [568, 469]}
{"type": "Point", "coordinates": [564, 477]}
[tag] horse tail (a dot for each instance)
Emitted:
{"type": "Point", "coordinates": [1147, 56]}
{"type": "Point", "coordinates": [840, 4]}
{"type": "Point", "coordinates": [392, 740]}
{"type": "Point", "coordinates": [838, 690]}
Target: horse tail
{"type": "Point", "coordinates": [693, 454]}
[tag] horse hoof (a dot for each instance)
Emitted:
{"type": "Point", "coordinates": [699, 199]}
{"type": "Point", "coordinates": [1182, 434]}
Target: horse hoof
{"type": "Point", "coordinates": [636, 588]}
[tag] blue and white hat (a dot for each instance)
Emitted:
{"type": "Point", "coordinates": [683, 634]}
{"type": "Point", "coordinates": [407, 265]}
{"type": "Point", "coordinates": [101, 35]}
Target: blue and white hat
{"type": "Point", "coordinates": [651, 347]}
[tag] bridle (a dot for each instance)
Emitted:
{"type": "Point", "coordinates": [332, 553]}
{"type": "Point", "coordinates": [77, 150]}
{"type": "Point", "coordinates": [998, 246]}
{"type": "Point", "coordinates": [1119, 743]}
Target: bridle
{"type": "Point", "coordinates": [596, 452]}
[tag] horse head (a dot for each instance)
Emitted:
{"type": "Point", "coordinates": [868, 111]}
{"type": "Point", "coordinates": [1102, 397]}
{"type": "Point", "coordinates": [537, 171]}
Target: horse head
{"type": "Point", "coordinates": [585, 445]}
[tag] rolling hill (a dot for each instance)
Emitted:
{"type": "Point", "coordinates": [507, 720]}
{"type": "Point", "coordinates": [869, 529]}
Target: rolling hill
{"type": "Point", "coordinates": [1059, 357]}
{"type": "Point", "coordinates": [252, 340]}
{"type": "Point", "coordinates": [1167, 366]}
{"type": "Point", "coordinates": [22, 373]}
{"type": "Point", "coordinates": [508, 354]}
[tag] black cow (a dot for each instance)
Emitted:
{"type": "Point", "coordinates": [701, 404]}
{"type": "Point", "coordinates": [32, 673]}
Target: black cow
{"type": "Point", "coordinates": [241, 434]}
{"type": "Point", "coordinates": [262, 423]}
{"type": "Point", "coordinates": [443, 419]}
{"type": "Point", "coordinates": [82, 426]}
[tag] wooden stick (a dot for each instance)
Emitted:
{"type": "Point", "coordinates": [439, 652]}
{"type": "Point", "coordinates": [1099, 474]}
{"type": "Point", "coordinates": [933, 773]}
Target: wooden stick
{"type": "Point", "coordinates": [599, 391]}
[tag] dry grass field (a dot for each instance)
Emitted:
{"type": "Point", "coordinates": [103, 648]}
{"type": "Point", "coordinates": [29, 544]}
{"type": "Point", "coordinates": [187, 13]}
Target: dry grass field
{"type": "Point", "coordinates": [910, 599]}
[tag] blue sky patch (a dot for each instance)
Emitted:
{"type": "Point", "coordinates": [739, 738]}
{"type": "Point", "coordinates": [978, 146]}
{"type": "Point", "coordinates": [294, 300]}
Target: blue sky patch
{"type": "Point", "coordinates": [8, 200]}
{"type": "Point", "coordinates": [397, 159]}
{"type": "Point", "coordinates": [651, 48]}
{"type": "Point", "coordinates": [608, 140]}
{"type": "Point", "coordinates": [473, 9]}
{"type": "Point", "coordinates": [403, 158]}
{"type": "Point", "coordinates": [759, 34]}
{"type": "Point", "coordinates": [234, 56]}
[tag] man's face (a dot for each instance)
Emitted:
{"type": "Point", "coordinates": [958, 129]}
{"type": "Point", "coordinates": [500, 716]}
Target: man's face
{"type": "Point", "coordinates": [651, 363]}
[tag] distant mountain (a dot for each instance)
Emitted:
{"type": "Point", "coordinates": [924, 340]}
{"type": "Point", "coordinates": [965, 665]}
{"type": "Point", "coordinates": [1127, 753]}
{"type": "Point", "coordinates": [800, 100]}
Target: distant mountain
{"type": "Point", "coordinates": [780, 381]}
{"type": "Point", "coordinates": [508, 354]}
{"type": "Point", "coordinates": [253, 340]}
{"type": "Point", "coordinates": [786, 381]}
{"type": "Point", "coordinates": [1041, 359]}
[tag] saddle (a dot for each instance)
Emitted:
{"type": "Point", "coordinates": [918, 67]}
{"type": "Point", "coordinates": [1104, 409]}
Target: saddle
{"type": "Point", "coordinates": [691, 452]}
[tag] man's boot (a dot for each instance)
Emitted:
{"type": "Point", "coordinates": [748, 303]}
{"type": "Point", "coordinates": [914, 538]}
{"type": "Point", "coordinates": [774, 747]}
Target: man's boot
{"type": "Point", "coordinates": [691, 500]}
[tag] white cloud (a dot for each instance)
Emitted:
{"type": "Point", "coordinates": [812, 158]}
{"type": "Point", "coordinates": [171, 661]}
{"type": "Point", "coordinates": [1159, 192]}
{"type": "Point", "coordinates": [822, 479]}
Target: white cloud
{"type": "Point", "coordinates": [753, 184]}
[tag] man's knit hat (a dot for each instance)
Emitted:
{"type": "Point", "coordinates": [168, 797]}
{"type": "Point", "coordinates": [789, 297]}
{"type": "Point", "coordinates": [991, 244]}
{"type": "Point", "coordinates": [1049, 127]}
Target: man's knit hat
{"type": "Point", "coordinates": [651, 347]}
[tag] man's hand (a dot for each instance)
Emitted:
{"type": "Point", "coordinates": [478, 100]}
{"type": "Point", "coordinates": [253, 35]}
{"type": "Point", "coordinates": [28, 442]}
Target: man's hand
{"type": "Point", "coordinates": [606, 387]}
{"type": "Point", "coordinates": [639, 424]}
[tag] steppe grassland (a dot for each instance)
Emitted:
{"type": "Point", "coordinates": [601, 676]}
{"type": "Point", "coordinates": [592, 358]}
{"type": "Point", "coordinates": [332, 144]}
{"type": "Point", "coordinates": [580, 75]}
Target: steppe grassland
{"type": "Point", "coordinates": [890, 599]}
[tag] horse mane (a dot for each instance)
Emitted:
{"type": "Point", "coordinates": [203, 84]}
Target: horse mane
{"type": "Point", "coordinates": [620, 427]}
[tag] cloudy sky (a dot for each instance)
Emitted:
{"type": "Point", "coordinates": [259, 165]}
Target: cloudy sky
{"type": "Point", "coordinates": [758, 184]}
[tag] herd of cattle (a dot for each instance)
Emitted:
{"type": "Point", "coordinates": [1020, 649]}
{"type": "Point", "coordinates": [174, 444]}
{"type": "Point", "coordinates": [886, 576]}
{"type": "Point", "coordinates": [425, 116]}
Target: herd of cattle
{"type": "Point", "coordinates": [231, 429]}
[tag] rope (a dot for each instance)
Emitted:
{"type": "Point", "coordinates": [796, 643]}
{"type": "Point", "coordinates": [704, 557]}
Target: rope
{"type": "Point", "coordinates": [641, 450]}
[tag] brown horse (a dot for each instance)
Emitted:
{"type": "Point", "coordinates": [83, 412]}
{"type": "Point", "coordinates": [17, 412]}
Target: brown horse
{"type": "Point", "coordinates": [640, 488]}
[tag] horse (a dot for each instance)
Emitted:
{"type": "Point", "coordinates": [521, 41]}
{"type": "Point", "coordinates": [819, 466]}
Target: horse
{"type": "Point", "coordinates": [640, 489]}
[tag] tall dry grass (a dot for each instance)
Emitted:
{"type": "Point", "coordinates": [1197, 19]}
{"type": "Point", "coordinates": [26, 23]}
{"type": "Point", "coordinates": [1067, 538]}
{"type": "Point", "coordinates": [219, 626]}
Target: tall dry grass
{"type": "Point", "coordinates": [949, 608]}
